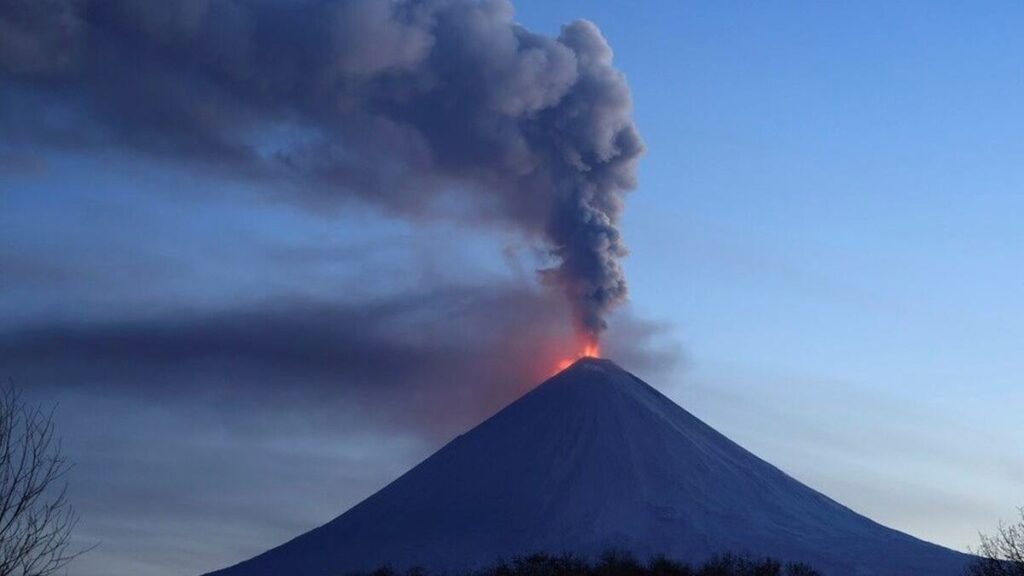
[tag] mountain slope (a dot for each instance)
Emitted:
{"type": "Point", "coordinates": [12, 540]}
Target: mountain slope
{"type": "Point", "coordinates": [595, 459]}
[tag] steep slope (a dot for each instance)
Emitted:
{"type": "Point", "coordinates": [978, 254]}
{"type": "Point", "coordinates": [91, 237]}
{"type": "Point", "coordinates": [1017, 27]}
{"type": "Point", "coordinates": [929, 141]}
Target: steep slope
{"type": "Point", "coordinates": [594, 459]}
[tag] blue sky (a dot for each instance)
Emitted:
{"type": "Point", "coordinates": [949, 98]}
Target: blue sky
{"type": "Point", "coordinates": [828, 217]}
{"type": "Point", "coordinates": [825, 237]}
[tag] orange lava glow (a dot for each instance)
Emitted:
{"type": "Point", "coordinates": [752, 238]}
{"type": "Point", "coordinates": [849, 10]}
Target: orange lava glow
{"type": "Point", "coordinates": [563, 364]}
{"type": "Point", "coordinates": [590, 350]}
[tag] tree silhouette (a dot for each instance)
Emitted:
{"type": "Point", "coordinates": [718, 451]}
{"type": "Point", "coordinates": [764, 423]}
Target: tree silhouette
{"type": "Point", "coordinates": [620, 563]}
{"type": "Point", "coordinates": [36, 519]}
{"type": "Point", "coordinates": [1002, 553]}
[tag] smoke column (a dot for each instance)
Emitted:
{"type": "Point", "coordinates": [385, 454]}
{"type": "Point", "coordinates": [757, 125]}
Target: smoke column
{"type": "Point", "coordinates": [399, 104]}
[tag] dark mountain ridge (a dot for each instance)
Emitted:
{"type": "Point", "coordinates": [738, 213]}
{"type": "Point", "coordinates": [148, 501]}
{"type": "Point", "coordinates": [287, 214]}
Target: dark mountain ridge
{"type": "Point", "coordinates": [591, 460]}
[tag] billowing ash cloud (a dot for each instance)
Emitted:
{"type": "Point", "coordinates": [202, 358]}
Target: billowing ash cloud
{"type": "Point", "coordinates": [396, 103]}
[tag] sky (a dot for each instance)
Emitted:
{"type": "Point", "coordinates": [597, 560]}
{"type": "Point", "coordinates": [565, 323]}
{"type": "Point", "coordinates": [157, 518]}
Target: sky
{"type": "Point", "coordinates": [823, 264]}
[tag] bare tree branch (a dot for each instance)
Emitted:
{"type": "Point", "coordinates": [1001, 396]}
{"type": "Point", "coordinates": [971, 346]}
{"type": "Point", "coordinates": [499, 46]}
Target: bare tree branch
{"type": "Point", "coordinates": [1002, 553]}
{"type": "Point", "coordinates": [36, 519]}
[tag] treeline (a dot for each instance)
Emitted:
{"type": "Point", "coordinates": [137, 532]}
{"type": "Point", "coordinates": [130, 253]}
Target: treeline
{"type": "Point", "coordinates": [618, 564]}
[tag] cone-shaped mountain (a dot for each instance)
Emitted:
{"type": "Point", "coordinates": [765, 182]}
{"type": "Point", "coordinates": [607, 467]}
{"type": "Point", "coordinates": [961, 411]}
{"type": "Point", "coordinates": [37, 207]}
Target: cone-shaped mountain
{"type": "Point", "coordinates": [591, 460]}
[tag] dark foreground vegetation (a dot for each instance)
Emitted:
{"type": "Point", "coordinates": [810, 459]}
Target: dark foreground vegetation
{"type": "Point", "coordinates": [36, 519]}
{"type": "Point", "coordinates": [1001, 553]}
{"type": "Point", "coordinates": [617, 564]}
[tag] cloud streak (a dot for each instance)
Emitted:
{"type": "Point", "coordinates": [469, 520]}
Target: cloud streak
{"type": "Point", "coordinates": [430, 363]}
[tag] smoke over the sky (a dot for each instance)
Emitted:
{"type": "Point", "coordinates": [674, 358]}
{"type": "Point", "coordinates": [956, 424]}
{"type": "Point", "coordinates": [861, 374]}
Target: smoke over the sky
{"type": "Point", "coordinates": [234, 247]}
{"type": "Point", "coordinates": [417, 361]}
{"type": "Point", "coordinates": [399, 104]}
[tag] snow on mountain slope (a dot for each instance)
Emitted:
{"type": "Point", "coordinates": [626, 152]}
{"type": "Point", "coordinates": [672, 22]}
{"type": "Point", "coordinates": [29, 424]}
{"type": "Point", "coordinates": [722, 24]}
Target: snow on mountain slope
{"type": "Point", "coordinates": [595, 459]}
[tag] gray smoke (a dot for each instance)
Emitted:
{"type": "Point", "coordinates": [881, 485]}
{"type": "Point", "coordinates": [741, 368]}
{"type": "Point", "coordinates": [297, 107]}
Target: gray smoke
{"type": "Point", "coordinates": [398, 103]}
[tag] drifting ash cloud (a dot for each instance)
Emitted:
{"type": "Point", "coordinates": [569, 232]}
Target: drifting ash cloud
{"type": "Point", "coordinates": [210, 418]}
{"type": "Point", "coordinates": [426, 364]}
{"type": "Point", "coordinates": [394, 103]}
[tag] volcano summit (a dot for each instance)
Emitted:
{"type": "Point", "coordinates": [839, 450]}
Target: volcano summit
{"type": "Point", "coordinates": [591, 460]}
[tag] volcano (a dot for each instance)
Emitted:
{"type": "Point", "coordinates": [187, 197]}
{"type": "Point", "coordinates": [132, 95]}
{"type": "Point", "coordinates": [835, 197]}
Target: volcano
{"type": "Point", "coordinates": [592, 460]}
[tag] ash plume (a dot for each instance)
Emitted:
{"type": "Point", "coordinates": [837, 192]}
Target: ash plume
{"type": "Point", "coordinates": [397, 103]}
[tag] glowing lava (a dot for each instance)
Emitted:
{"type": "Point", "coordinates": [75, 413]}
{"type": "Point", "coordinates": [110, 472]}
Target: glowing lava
{"type": "Point", "coordinates": [590, 350]}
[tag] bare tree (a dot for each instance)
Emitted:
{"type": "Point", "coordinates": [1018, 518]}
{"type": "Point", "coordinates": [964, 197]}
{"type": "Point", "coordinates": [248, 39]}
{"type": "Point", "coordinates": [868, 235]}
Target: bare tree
{"type": "Point", "coordinates": [1002, 553]}
{"type": "Point", "coordinates": [36, 519]}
